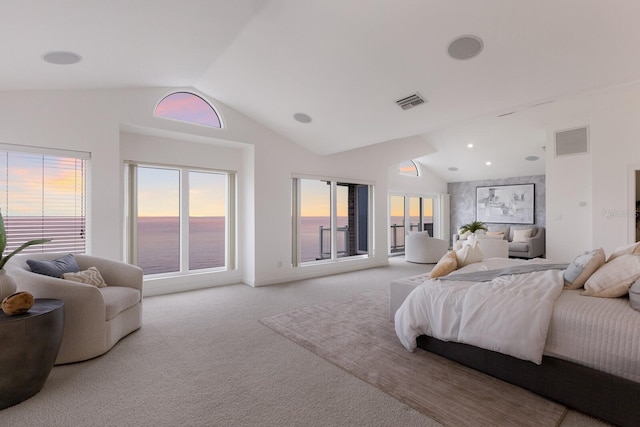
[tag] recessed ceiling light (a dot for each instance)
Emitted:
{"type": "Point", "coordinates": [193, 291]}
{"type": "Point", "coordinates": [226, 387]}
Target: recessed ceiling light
{"type": "Point", "coordinates": [470, 145]}
{"type": "Point", "coordinates": [532, 158]}
{"type": "Point", "coordinates": [302, 117]}
{"type": "Point", "coordinates": [465, 47]}
{"type": "Point", "coordinates": [488, 163]}
{"type": "Point", "coordinates": [62, 58]}
{"type": "Point", "coordinates": [453, 168]}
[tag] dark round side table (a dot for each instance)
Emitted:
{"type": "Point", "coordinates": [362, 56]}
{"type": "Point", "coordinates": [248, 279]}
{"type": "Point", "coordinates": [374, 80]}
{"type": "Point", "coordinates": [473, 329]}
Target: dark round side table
{"type": "Point", "coordinates": [29, 345]}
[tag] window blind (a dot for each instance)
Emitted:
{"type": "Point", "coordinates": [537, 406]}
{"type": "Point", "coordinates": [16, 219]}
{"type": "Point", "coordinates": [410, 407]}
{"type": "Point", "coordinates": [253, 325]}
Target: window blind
{"type": "Point", "coordinates": [44, 196]}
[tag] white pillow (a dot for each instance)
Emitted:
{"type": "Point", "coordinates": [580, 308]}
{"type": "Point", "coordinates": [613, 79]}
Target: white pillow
{"type": "Point", "coordinates": [521, 236]}
{"type": "Point", "coordinates": [614, 278]}
{"type": "Point", "coordinates": [582, 267]}
{"type": "Point", "coordinates": [465, 235]}
{"type": "Point", "coordinates": [469, 254]}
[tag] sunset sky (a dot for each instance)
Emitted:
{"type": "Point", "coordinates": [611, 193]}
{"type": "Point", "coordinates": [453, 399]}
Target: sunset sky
{"type": "Point", "coordinates": [159, 193]}
{"type": "Point", "coordinates": [187, 107]}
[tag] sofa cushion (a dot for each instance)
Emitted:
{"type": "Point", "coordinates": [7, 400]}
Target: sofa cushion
{"type": "Point", "coordinates": [55, 267]}
{"type": "Point", "coordinates": [518, 247]}
{"type": "Point", "coordinates": [499, 229]}
{"type": "Point", "coordinates": [534, 230]}
{"type": "Point", "coordinates": [118, 298]}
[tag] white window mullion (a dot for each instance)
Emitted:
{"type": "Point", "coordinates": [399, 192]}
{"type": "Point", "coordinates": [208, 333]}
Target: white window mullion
{"type": "Point", "coordinates": [184, 220]}
{"type": "Point", "coordinates": [334, 220]}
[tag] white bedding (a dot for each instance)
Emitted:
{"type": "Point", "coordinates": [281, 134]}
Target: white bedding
{"type": "Point", "coordinates": [509, 314]}
{"type": "Point", "coordinates": [601, 333]}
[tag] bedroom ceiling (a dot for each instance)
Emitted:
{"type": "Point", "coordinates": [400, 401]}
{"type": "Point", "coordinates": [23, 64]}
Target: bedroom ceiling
{"type": "Point", "coordinates": [344, 64]}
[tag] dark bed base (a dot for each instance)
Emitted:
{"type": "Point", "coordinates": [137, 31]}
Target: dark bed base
{"type": "Point", "coordinates": [611, 398]}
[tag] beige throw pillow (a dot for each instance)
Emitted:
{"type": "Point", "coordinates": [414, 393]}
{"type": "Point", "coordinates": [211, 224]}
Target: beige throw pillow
{"type": "Point", "coordinates": [446, 265]}
{"type": "Point", "coordinates": [522, 236]}
{"type": "Point", "coordinates": [90, 276]}
{"type": "Point", "coordinates": [582, 267]}
{"type": "Point", "coordinates": [494, 234]}
{"type": "Point", "coordinates": [614, 278]}
{"type": "Point", "coordinates": [469, 254]}
{"type": "Point", "coordinates": [633, 248]}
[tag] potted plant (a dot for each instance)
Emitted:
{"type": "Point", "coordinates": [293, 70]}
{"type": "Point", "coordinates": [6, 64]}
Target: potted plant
{"type": "Point", "coordinates": [7, 284]}
{"type": "Point", "coordinates": [472, 227]}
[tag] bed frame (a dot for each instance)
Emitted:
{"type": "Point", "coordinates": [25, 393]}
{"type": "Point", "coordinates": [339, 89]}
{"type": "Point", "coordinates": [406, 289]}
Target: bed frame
{"type": "Point", "coordinates": [611, 398]}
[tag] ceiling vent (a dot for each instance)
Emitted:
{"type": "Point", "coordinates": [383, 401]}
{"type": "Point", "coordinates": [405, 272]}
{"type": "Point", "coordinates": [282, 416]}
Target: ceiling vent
{"type": "Point", "coordinates": [572, 141]}
{"type": "Point", "coordinates": [411, 101]}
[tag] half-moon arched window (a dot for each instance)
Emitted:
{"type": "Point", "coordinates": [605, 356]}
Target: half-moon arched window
{"type": "Point", "coordinates": [187, 107]}
{"type": "Point", "coordinates": [408, 167]}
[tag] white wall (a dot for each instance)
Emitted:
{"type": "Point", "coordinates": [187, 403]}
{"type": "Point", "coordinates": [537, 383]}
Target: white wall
{"type": "Point", "coordinates": [118, 125]}
{"type": "Point", "coordinates": [589, 198]}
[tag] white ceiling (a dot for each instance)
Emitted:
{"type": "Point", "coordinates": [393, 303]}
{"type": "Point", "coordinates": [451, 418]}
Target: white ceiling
{"type": "Point", "coordinates": [344, 63]}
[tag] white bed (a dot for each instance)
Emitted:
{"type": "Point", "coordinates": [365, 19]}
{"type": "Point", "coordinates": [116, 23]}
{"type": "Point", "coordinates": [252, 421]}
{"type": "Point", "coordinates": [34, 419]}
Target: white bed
{"type": "Point", "coordinates": [600, 333]}
{"type": "Point", "coordinates": [591, 354]}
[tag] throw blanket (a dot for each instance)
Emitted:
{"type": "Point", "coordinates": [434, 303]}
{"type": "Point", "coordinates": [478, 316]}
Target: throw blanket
{"type": "Point", "coordinates": [487, 275]}
{"type": "Point", "coordinates": [509, 314]}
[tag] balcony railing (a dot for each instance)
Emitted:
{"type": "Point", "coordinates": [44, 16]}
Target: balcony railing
{"type": "Point", "coordinates": [396, 237]}
{"type": "Point", "coordinates": [342, 242]}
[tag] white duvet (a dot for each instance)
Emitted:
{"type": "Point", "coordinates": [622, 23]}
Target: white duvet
{"type": "Point", "coordinates": [509, 314]}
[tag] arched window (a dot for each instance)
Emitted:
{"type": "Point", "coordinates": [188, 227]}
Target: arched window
{"type": "Point", "coordinates": [187, 107]}
{"type": "Point", "coordinates": [408, 167]}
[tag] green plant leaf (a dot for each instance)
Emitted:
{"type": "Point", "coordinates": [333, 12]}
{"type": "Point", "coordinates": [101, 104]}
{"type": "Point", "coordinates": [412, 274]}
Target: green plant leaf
{"type": "Point", "coordinates": [6, 258]}
{"type": "Point", "coordinates": [3, 236]}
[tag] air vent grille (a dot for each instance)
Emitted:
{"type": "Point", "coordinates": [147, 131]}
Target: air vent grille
{"type": "Point", "coordinates": [411, 101]}
{"type": "Point", "coordinates": [572, 141]}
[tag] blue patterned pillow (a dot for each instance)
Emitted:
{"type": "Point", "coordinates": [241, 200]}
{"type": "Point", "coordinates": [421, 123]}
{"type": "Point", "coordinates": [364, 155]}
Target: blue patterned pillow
{"type": "Point", "coordinates": [56, 267]}
{"type": "Point", "coordinates": [634, 295]}
{"type": "Point", "coordinates": [582, 267]}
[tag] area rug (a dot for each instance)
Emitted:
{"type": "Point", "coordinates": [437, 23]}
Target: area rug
{"type": "Point", "coordinates": [357, 336]}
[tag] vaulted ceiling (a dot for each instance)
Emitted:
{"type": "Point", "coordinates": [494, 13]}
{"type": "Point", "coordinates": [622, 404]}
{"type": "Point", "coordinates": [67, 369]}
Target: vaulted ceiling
{"type": "Point", "coordinates": [344, 63]}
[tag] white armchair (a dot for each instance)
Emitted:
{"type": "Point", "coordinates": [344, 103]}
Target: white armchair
{"type": "Point", "coordinates": [420, 248]}
{"type": "Point", "coordinates": [95, 319]}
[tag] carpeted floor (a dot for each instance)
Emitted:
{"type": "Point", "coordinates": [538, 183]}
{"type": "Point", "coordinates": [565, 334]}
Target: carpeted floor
{"type": "Point", "coordinates": [203, 358]}
{"type": "Point", "coordinates": [357, 336]}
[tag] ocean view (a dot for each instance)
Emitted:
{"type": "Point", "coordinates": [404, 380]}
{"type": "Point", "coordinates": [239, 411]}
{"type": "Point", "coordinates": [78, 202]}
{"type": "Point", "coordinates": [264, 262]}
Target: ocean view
{"type": "Point", "coordinates": [159, 242]}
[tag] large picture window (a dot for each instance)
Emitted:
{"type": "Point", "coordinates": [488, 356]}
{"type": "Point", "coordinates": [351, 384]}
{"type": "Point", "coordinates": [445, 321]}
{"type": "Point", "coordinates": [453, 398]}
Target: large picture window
{"type": "Point", "coordinates": [331, 220]}
{"type": "Point", "coordinates": [43, 195]}
{"type": "Point", "coordinates": [179, 219]}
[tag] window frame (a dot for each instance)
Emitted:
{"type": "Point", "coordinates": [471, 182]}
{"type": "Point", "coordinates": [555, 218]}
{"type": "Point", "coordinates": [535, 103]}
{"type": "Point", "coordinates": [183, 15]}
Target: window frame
{"type": "Point", "coordinates": [131, 208]}
{"type": "Point", "coordinates": [296, 216]}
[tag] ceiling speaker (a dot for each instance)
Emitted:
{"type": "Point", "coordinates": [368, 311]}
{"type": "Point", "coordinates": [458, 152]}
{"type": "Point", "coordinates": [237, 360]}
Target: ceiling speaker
{"type": "Point", "coordinates": [572, 141]}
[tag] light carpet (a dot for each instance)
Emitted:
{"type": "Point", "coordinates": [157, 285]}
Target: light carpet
{"type": "Point", "coordinates": [356, 335]}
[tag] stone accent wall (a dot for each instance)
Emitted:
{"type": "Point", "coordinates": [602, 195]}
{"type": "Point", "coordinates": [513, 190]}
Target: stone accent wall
{"type": "Point", "coordinates": [463, 198]}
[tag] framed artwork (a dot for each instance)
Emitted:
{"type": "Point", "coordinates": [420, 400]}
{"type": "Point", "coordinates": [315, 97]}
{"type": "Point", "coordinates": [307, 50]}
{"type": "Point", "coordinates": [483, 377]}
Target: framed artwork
{"type": "Point", "coordinates": [506, 204]}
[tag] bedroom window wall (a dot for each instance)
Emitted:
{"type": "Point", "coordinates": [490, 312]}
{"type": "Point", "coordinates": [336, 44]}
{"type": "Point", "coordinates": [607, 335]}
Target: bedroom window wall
{"type": "Point", "coordinates": [179, 220]}
{"type": "Point", "coordinates": [331, 220]}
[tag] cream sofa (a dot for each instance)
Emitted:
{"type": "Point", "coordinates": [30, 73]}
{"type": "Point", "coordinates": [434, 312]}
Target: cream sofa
{"type": "Point", "coordinates": [532, 248]}
{"type": "Point", "coordinates": [95, 318]}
